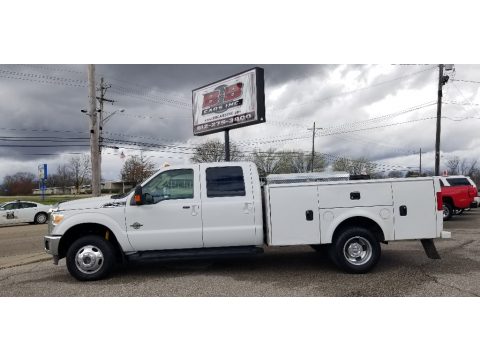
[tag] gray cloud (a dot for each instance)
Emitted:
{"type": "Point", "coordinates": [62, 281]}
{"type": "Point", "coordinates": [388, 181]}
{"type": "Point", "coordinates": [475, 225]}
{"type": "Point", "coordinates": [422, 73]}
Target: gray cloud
{"type": "Point", "coordinates": [157, 100]}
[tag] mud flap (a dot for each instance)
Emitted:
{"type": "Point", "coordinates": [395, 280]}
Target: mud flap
{"type": "Point", "coordinates": [430, 249]}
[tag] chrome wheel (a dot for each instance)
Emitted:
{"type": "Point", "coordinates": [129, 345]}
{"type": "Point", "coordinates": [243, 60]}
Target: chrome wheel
{"type": "Point", "coordinates": [89, 259]}
{"type": "Point", "coordinates": [357, 250]}
{"type": "Point", "coordinates": [446, 211]}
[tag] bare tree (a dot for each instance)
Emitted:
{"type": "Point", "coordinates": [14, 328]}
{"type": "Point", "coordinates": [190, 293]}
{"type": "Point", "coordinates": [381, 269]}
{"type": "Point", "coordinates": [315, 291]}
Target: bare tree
{"type": "Point", "coordinates": [302, 163]}
{"type": "Point", "coordinates": [80, 170]}
{"type": "Point", "coordinates": [136, 169]}
{"type": "Point", "coordinates": [395, 174]}
{"type": "Point", "coordinates": [354, 166]}
{"type": "Point", "coordinates": [286, 162]}
{"type": "Point", "coordinates": [268, 162]}
{"type": "Point", "coordinates": [21, 183]}
{"type": "Point", "coordinates": [213, 151]}
{"type": "Point", "coordinates": [453, 166]}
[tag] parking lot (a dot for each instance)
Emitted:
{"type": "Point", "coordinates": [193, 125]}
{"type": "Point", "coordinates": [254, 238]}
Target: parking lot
{"type": "Point", "coordinates": [404, 270]}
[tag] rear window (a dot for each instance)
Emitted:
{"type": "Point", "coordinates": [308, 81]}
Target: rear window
{"type": "Point", "coordinates": [225, 181]}
{"type": "Point", "coordinates": [458, 181]}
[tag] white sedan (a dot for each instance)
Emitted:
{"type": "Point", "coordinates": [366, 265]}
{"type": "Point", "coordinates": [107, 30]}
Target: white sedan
{"type": "Point", "coordinates": [14, 212]}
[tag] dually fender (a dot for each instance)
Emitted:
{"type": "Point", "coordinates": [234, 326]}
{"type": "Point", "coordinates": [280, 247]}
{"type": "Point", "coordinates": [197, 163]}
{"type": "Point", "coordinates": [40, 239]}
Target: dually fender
{"type": "Point", "coordinates": [340, 215]}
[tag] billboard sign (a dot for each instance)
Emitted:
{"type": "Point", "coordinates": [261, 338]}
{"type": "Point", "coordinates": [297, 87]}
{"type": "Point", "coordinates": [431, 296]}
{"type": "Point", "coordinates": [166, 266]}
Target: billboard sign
{"type": "Point", "coordinates": [230, 103]}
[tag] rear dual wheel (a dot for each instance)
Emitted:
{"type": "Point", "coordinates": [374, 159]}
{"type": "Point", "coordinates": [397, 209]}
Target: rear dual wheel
{"type": "Point", "coordinates": [355, 250]}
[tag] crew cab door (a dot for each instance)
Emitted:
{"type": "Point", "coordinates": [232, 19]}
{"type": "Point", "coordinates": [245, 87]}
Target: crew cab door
{"type": "Point", "coordinates": [228, 210]}
{"type": "Point", "coordinates": [170, 216]}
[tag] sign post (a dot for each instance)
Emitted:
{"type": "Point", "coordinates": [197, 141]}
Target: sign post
{"type": "Point", "coordinates": [42, 177]}
{"type": "Point", "coordinates": [234, 102]}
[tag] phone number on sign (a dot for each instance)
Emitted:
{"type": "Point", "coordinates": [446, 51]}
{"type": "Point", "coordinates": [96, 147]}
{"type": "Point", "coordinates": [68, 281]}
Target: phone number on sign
{"type": "Point", "coordinates": [229, 121]}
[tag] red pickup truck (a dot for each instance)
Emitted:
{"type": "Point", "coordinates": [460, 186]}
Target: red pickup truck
{"type": "Point", "coordinates": [456, 197]}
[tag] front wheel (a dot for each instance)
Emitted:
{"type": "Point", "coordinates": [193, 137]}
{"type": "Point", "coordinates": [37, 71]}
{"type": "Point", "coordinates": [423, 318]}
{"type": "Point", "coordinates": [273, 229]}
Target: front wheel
{"type": "Point", "coordinates": [90, 258]}
{"type": "Point", "coordinates": [355, 250]}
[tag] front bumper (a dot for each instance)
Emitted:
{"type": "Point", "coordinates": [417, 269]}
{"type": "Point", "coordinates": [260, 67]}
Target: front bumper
{"type": "Point", "coordinates": [51, 243]}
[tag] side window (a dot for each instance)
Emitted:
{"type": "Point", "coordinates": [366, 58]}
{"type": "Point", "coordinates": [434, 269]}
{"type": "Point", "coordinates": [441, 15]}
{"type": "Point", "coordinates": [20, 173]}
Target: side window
{"type": "Point", "coordinates": [28, 205]}
{"type": "Point", "coordinates": [441, 183]}
{"type": "Point", "coordinates": [458, 181]}
{"type": "Point", "coordinates": [225, 181]}
{"type": "Point", "coordinates": [9, 207]}
{"type": "Point", "coordinates": [169, 185]}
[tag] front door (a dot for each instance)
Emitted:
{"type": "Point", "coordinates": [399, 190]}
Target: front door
{"type": "Point", "coordinates": [170, 217]}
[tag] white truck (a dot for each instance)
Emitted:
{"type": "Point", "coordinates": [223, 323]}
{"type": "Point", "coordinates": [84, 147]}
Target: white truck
{"type": "Point", "coordinates": [221, 209]}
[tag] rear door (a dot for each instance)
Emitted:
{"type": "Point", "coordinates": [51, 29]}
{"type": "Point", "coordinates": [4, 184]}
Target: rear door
{"type": "Point", "coordinates": [27, 212]}
{"type": "Point", "coordinates": [227, 205]}
{"type": "Point", "coordinates": [414, 208]}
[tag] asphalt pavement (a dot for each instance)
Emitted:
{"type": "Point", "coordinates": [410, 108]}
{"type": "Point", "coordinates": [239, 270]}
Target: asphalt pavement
{"type": "Point", "coordinates": [403, 270]}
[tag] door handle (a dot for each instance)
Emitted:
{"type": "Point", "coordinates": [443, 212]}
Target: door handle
{"type": "Point", "coordinates": [309, 215]}
{"type": "Point", "coordinates": [403, 210]}
{"type": "Point", "coordinates": [194, 210]}
{"type": "Point", "coordinates": [186, 207]}
{"type": "Point", "coordinates": [246, 207]}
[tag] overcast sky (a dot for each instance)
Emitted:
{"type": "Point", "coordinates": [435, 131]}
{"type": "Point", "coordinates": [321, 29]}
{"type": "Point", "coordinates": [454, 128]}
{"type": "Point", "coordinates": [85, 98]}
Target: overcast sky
{"type": "Point", "coordinates": [385, 113]}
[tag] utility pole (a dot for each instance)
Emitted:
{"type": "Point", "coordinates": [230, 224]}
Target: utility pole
{"type": "Point", "coordinates": [313, 144]}
{"type": "Point", "coordinates": [101, 99]}
{"type": "Point", "coordinates": [442, 80]}
{"type": "Point", "coordinates": [420, 171]}
{"type": "Point", "coordinates": [227, 145]}
{"type": "Point", "coordinates": [94, 132]}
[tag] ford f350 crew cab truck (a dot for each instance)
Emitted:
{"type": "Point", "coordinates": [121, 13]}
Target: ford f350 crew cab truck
{"type": "Point", "coordinates": [221, 209]}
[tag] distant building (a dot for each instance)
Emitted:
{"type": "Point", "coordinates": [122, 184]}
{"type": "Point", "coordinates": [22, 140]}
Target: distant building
{"type": "Point", "coordinates": [112, 187]}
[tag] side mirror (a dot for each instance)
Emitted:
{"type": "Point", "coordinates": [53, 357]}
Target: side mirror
{"type": "Point", "coordinates": [138, 195]}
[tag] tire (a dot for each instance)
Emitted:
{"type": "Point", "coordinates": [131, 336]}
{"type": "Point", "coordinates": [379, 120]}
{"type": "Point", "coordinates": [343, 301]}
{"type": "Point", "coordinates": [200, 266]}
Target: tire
{"type": "Point", "coordinates": [40, 218]}
{"type": "Point", "coordinates": [355, 250]}
{"type": "Point", "coordinates": [458, 211]}
{"type": "Point", "coordinates": [90, 258]}
{"type": "Point", "coordinates": [447, 211]}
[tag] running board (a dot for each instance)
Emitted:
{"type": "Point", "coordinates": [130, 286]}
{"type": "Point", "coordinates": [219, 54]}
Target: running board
{"type": "Point", "coordinates": [201, 253]}
{"type": "Point", "coordinates": [430, 249]}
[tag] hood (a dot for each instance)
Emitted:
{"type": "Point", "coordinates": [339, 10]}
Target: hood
{"type": "Point", "coordinates": [91, 203]}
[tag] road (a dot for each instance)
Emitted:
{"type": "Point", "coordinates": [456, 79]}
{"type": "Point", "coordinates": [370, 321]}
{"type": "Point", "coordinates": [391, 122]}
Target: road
{"type": "Point", "coordinates": [404, 270]}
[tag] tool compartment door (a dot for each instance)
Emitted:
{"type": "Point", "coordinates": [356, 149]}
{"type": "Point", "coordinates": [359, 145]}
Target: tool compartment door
{"type": "Point", "coordinates": [294, 215]}
{"type": "Point", "coordinates": [414, 208]}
